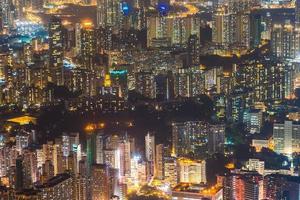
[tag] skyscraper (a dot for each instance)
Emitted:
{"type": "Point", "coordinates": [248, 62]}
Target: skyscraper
{"type": "Point", "coordinates": [56, 51]}
{"type": "Point", "coordinates": [100, 182]}
{"type": "Point", "coordinates": [58, 187]}
{"type": "Point", "coordinates": [231, 28]}
{"type": "Point", "coordinates": [19, 175]}
{"type": "Point", "coordinates": [188, 82]}
{"type": "Point", "coordinates": [91, 149]}
{"type": "Point", "coordinates": [255, 29]}
{"type": "Point", "coordinates": [109, 14]}
{"type": "Point", "coordinates": [194, 50]}
{"type": "Point", "coordinates": [285, 40]}
{"type": "Point", "coordinates": [22, 141]}
{"type": "Point", "coordinates": [112, 157]}
{"type": "Point", "coordinates": [150, 152]}
{"type": "Point", "coordinates": [125, 157]}
{"type": "Point", "coordinates": [164, 86]}
{"type": "Point", "coordinates": [243, 185]}
{"type": "Point", "coordinates": [171, 171]}
{"type": "Point", "coordinates": [6, 14]}
{"type": "Point", "coordinates": [220, 28]}
{"type": "Point", "coordinates": [190, 137]}
{"type": "Point", "coordinates": [100, 148]}
{"type": "Point", "coordinates": [1, 22]}
{"type": "Point", "coordinates": [243, 29]}
{"type": "Point", "coordinates": [297, 13]}
{"type": "Point", "coordinates": [253, 120]}
{"type": "Point", "coordinates": [144, 83]}
{"type": "Point", "coordinates": [88, 45]}
{"type": "Point", "coordinates": [104, 38]}
{"type": "Point", "coordinates": [175, 30]}
{"type": "Point", "coordinates": [66, 146]}
{"type": "Point", "coordinates": [150, 147]}
{"type": "Point", "coordinates": [286, 137]}
{"type": "Point", "coordinates": [216, 138]}
{"type": "Point", "coordinates": [30, 167]}
{"type": "Point", "coordinates": [160, 161]}
{"type": "Point", "coordinates": [57, 159]}
{"type": "Point", "coordinates": [277, 186]}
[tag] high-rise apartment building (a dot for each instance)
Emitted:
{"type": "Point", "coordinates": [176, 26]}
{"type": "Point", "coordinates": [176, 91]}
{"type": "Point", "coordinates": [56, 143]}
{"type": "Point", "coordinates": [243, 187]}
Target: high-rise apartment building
{"type": "Point", "coordinates": [285, 40]}
{"type": "Point", "coordinates": [145, 84]}
{"type": "Point", "coordinates": [297, 13]}
{"type": "Point", "coordinates": [286, 137]}
{"type": "Point", "coordinates": [88, 45]}
{"type": "Point", "coordinates": [56, 50]}
{"type": "Point", "coordinates": [58, 187]}
{"type": "Point", "coordinates": [101, 181]}
{"type": "Point", "coordinates": [243, 185]}
{"type": "Point", "coordinates": [197, 138]}
{"type": "Point", "coordinates": [168, 31]}
{"type": "Point", "coordinates": [253, 120]}
{"type": "Point", "coordinates": [109, 14]}
{"type": "Point", "coordinates": [231, 28]}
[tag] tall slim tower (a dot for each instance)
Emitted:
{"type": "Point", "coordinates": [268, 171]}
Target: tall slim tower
{"type": "Point", "coordinates": [100, 148]}
{"type": "Point", "coordinates": [102, 186]}
{"type": "Point", "coordinates": [1, 22]}
{"type": "Point", "coordinates": [88, 45]}
{"type": "Point", "coordinates": [6, 14]}
{"type": "Point", "coordinates": [194, 50]}
{"type": "Point", "coordinates": [220, 26]}
{"type": "Point", "coordinates": [56, 53]}
{"type": "Point", "coordinates": [150, 147]}
{"type": "Point", "coordinates": [297, 13]}
{"type": "Point", "coordinates": [150, 152]}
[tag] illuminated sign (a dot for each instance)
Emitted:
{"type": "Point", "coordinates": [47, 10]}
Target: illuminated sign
{"type": "Point", "coordinates": [68, 64]}
{"type": "Point", "coordinates": [2, 81]}
{"type": "Point", "coordinates": [126, 8]}
{"type": "Point", "coordinates": [163, 8]}
{"type": "Point", "coordinates": [118, 72]}
{"type": "Point", "coordinates": [75, 147]}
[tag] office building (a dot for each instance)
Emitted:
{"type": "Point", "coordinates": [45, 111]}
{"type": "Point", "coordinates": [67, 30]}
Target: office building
{"type": "Point", "coordinates": [253, 120]}
{"type": "Point", "coordinates": [286, 137]}
{"type": "Point", "coordinates": [216, 138]}
{"type": "Point", "coordinates": [159, 161]}
{"type": "Point", "coordinates": [256, 165]}
{"type": "Point", "coordinates": [192, 171]}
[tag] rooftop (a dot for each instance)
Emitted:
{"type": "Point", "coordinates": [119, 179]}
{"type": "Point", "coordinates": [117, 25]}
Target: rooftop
{"type": "Point", "coordinates": [55, 180]}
